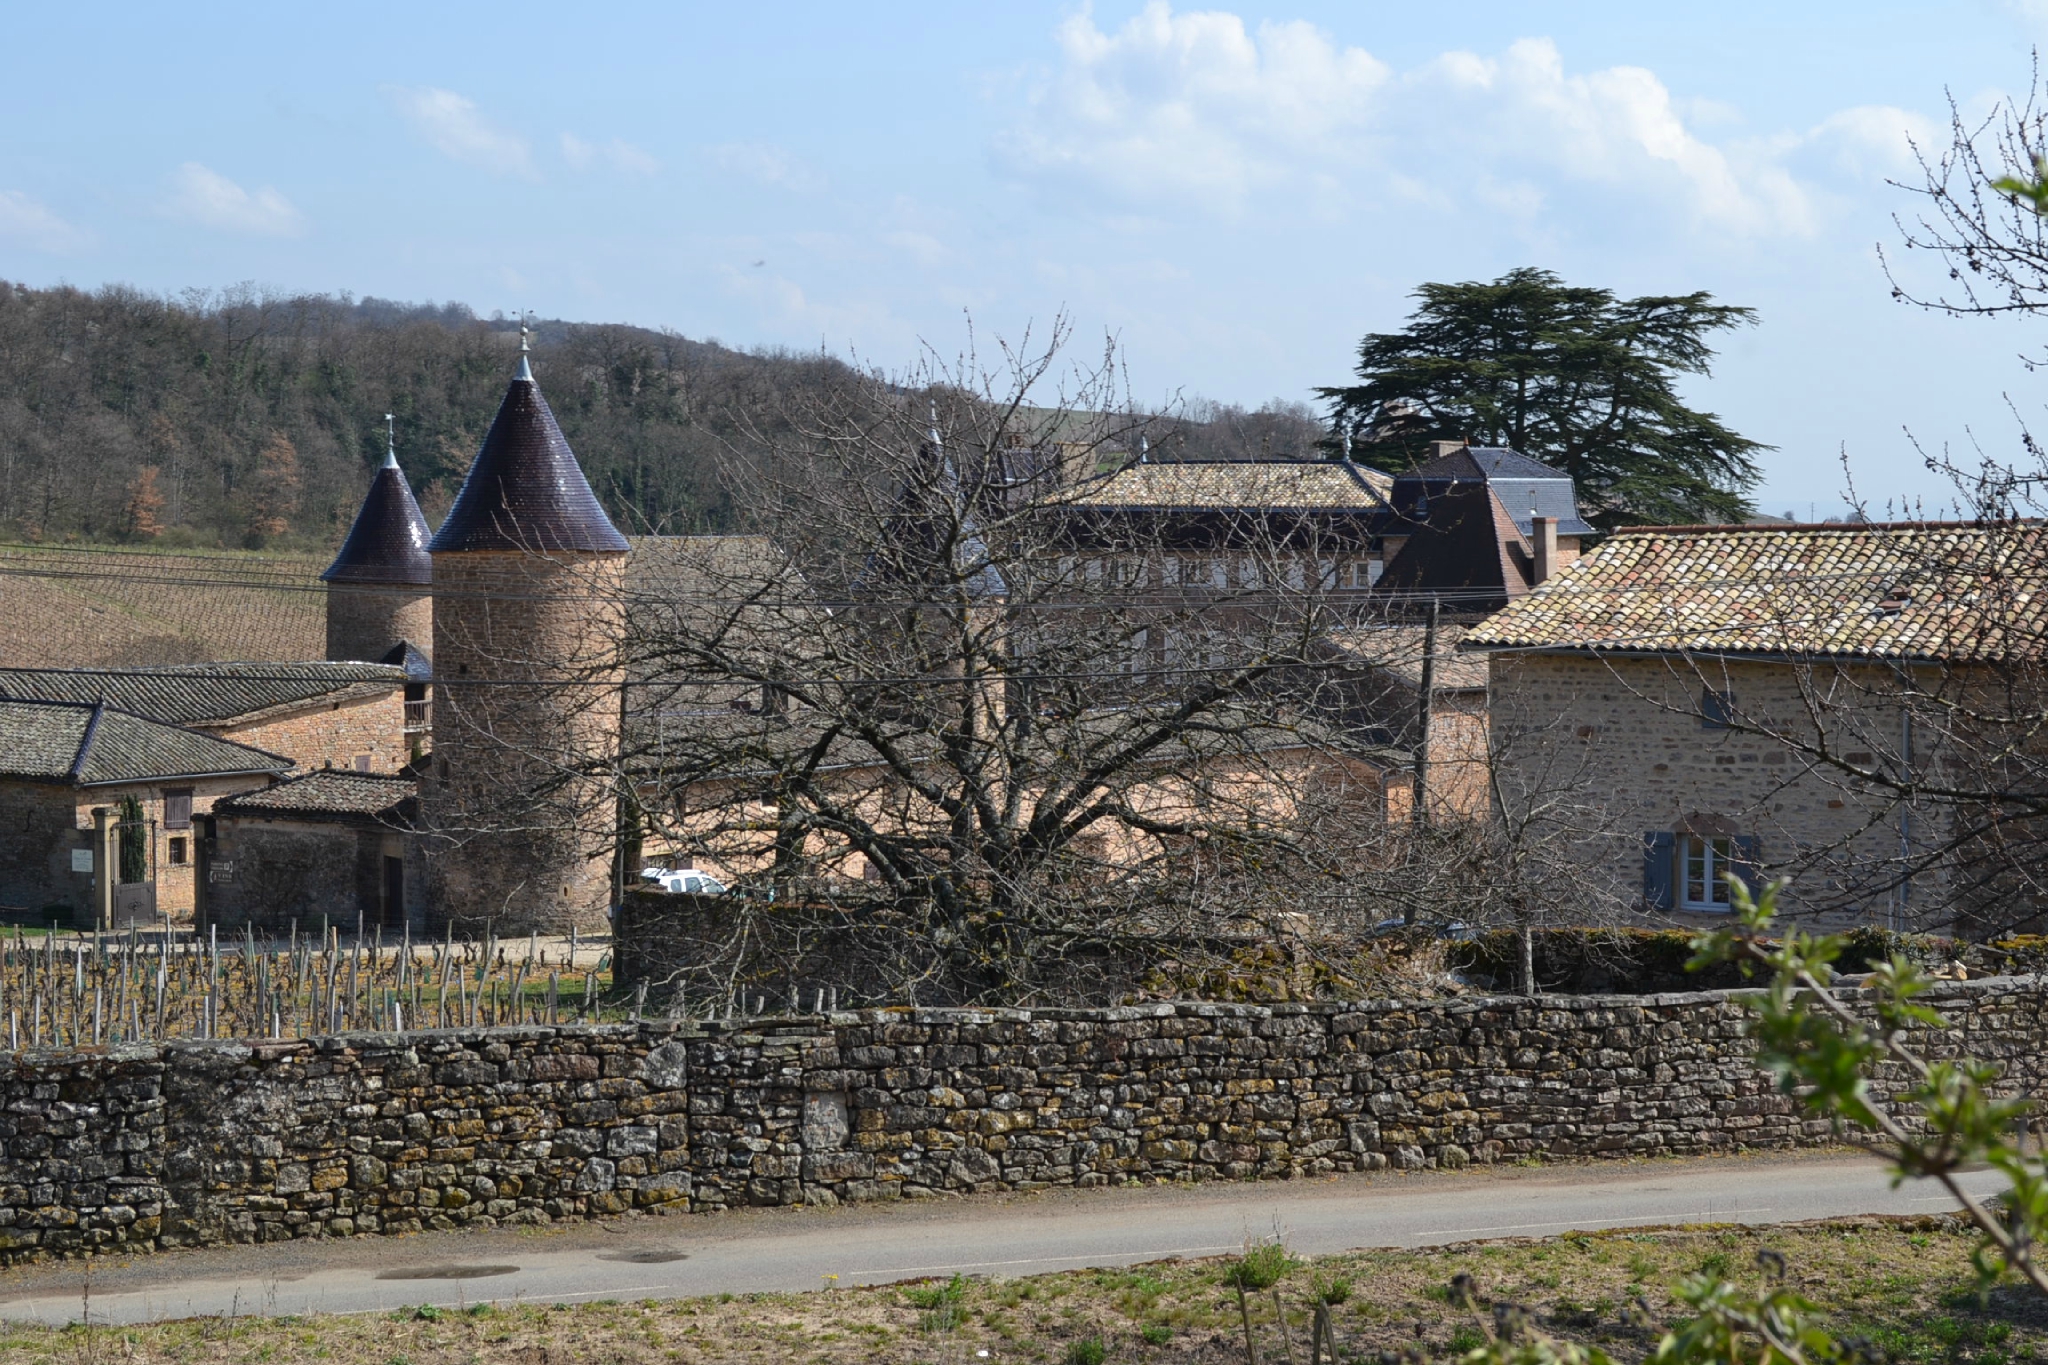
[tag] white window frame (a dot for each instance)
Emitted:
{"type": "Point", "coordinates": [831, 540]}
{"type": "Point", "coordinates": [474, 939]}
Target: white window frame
{"type": "Point", "coordinates": [1714, 856]}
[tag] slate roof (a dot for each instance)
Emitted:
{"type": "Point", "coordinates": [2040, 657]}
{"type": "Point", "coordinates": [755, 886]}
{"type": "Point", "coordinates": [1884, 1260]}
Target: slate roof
{"type": "Point", "coordinates": [1526, 487]}
{"type": "Point", "coordinates": [1960, 592]}
{"type": "Point", "coordinates": [1285, 485]}
{"type": "Point", "coordinates": [201, 694]}
{"type": "Point", "coordinates": [388, 542]}
{"type": "Point", "coordinates": [525, 490]}
{"type": "Point", "coordinates": [1469, 554]}
{"type": "Point", "coordinates": [331, 794]}
{"type": "Point", "coordinates": [94, 745]}
{"type": "Point", "coordinates": [408, 659]}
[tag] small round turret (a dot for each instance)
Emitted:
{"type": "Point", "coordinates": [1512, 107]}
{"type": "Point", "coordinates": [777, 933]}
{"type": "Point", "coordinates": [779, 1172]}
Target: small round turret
{"type": "Point", "coordinates": [378, 585]}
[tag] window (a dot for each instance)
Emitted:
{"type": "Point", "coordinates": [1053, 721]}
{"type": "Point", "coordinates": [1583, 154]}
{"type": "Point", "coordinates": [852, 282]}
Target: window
{"type": "Point", "coordinates": [177, 808]}
{"type": "Point", "coordinates": [1717, 709]}
{"type": "Point", "coordinates": [1703, 875]}
{"type": "Point", "coordinates": [176, 851]}
{"type": "Point", "coordinates": [361, 763]}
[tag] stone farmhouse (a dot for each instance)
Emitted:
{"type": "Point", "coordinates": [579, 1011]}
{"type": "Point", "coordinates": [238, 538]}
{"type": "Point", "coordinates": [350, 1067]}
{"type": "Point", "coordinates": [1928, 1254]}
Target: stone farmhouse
{"type": "Point", "coordinates": [211, 730]}
{"type": "Point", "coordinates": [1774, 700]}
{"type": "Point", "coordinates": [97, 807]}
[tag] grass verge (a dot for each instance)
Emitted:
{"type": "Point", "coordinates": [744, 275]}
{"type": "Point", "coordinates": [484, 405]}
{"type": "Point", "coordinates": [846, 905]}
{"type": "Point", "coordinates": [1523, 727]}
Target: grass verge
{"type": "Point", "coordinates": [1903, 1286]}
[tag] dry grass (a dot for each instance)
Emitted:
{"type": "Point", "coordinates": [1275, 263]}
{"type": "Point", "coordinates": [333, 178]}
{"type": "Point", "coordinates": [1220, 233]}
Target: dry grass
{"type": "Point", "coordinates": [1902, 1284]}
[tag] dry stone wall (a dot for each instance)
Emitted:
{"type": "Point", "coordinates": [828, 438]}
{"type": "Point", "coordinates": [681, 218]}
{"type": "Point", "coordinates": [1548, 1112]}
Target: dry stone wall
{"type": "Point", "coordinates": [201, 1143]}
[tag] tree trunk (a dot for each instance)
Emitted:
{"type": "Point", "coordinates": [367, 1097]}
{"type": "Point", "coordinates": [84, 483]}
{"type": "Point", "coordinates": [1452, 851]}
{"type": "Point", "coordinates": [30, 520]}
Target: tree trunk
{"type": "Point", "coordinates": [1527, 939]}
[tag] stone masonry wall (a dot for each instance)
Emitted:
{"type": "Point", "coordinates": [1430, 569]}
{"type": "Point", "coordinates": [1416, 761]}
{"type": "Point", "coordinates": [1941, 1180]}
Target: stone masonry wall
{"type": "Point", "coordinates": [200, 1143]}
{"type": "Point", "coordinates": [1622, 737]}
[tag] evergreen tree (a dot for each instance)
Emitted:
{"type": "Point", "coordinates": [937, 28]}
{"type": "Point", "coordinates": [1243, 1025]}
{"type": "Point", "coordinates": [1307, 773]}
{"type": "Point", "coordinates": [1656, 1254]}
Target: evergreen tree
{"type": "Point", "coordinates": [1574, 377]}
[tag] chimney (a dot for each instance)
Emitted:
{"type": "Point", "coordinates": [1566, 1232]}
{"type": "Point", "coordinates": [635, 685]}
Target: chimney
{"type": "Point", "coordinates": [1439, 449]}
{"type": "Point", "coordinates": [1543, 533]}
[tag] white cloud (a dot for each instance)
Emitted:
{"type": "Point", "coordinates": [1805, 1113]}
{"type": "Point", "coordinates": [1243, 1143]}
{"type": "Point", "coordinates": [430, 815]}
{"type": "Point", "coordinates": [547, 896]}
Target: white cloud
{"type": "Point", "coordinates": [1872, 141]}
{"type": "Point", "coordinates": [1194, 109]}
{"type": "Point", "coordinates": [453, 127]}
{"type": "Point", "coordinates": [206, 196]}
{"type": "Point", "coordinates": [619, 155]}
{"type": "Point", "coordinates": [28, 222]}
{"type": "Point", "coordinates": [1191, 105]}
{"type": "Point", "coordinates": [763, 163]}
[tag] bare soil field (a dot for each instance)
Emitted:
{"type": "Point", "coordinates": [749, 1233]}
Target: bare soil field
{"type": "Point", "coordinates": [1902, 1285]}
{"type": "Point", "coordinates": [64, 607]}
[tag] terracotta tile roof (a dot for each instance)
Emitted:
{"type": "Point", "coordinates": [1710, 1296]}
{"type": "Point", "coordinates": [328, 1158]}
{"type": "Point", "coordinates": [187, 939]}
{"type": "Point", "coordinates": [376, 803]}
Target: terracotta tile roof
{"type": "Point", "coordinates": [1966, 592]}
{"type": "Point", "coordinates": [201, 694]}
{"type": "Point", "coordinates": [1289, 485]}
{"type": "Point", "coordinates": [330, 794]}
{"type": "Point", "coordinates": [91, 745]}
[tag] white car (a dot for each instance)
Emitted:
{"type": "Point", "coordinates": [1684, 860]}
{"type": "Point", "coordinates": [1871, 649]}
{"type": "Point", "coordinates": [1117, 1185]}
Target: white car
{"type": "Point", "coordinates": [684, 881]}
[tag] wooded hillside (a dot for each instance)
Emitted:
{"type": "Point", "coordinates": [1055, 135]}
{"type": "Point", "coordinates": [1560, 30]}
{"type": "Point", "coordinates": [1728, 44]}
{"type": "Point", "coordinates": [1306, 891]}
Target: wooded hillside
{"type": "Point", "coordinates": [245, 419]}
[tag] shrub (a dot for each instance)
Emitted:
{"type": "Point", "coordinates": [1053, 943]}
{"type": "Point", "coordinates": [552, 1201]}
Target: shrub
{"type": "Point", "coordinates": [1087, 1351]}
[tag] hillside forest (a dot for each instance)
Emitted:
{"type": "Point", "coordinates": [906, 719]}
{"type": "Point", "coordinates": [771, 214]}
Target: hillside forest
{"type": "Point", "coordinates": [248, 419]}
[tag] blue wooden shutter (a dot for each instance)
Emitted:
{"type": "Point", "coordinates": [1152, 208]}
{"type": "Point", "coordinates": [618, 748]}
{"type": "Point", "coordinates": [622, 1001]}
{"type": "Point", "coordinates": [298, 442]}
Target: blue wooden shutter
{"type": "Point", "coordinates": [1749, 861]}
{"type": "Point", "coordinates": [1658, 850]}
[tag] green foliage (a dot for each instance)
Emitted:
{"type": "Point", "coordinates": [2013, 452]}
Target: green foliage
{"type": "Point", "coordinates": [940, 1302]}
{"type": "Point", "coordinates": [1086, 1351]}
{"type": "Point", "coordinates": [1825, 1054]}
{"type": "Point", "coordinates": [1575, 377]}
{"type": "Point", "coordinates": [1157, 1334]}
{"type": "Point", "coordinates": [1260, 1268]}
{"type": "Point", "coordinates": [1332, 1290]}
{"type": "Point", "coordinates": [2031, 190]}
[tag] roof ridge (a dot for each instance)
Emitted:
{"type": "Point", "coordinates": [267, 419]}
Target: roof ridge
{"type": "Point", "coordinates": [1833, 527]}
{"type": "Point", "coordinates": [92, 729]}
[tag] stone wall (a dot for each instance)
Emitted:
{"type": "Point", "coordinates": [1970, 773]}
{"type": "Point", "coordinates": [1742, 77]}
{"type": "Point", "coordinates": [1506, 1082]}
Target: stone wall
{"type": "Point", "coordinates": [525, 662]}
{"type": "Point", "coordinates": [198, 1143]}
{"type": "Point", "coordinates": [365, 732]}
{"type": "Point", "coordinates": [1618, 741]}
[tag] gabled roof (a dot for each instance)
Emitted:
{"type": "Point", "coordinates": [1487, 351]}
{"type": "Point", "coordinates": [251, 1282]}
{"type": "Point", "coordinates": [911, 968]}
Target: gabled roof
{"type": "Point", "coordinates": [1961, 592]}
{"type": "Point", "coordinates": [202, 694]}
{"type": "Point", "coordinates": [525, 490]}
{"type": "Point", "coordinates": [388, 542]}
{"type": "Point", "coordinates": [331, 794]}
{"type": "Point", "coordinates": [1527, 488]}
{"type": "Point", "coordinates": [94, 745]}
{"type": "Point", "coordinates": [1469, 554]}
{"type": "Point", "coordinates": [1276, 485]}
{"type": "Point", "coordinates": [1483, 463]}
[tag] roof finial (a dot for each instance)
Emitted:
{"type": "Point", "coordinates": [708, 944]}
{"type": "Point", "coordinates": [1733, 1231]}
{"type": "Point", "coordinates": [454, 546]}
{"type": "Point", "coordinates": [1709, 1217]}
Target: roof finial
{"type": "Point", "coordinates": [1347, 443]}
{"type": "Point", "coordinates": [933, 429]}
{"type": "Point", "coordinates": [1144, 448]}
{"type": "Point", "coordinates": [390, 443]}
{"type": "Point", "coordinates": [525, 333]}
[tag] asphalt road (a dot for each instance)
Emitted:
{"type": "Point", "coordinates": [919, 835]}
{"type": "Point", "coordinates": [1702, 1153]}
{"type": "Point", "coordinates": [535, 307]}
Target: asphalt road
{"type": "Point", "coordinates": [783, 1249]}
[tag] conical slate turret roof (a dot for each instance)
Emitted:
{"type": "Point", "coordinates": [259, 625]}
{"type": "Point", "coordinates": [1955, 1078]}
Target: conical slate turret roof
{"type": "Point", "coordinates": [525, 491]}
{"type": "Point", "coordinates": [388, 543]}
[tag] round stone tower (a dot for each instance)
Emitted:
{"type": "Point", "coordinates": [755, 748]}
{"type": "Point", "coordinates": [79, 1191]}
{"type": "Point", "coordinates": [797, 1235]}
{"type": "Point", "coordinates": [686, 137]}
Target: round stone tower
{"type": "Point", "coordinates": [528, 574]}
{"type": "Point", "coordinates": [378, 586]}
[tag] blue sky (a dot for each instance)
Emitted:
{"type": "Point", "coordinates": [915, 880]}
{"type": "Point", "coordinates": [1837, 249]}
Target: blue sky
{"type": "Point", "coordinates": [1236, 193]}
